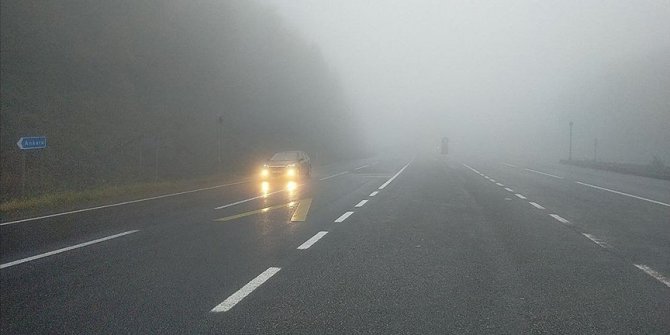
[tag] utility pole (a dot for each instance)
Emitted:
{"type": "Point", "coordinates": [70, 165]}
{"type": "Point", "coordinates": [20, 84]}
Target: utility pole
{"type": "Point", "coordinates": [570, 152]}
{"type": "Point", "coordinates": [595, 149]}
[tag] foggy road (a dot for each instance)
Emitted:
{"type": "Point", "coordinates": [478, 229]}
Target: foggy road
{"type": "Point", "coordinates": [390, 244]}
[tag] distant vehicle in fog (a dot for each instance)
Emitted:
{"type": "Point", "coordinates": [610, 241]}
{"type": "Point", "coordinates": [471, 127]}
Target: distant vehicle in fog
{"type": "Point", "coordinates": [287, 165]}
{"type": "Point", "coordinates": [444, 147]}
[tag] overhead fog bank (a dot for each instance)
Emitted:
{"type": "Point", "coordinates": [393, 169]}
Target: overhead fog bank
{"type": "Point", "coordinates": [501, 79]}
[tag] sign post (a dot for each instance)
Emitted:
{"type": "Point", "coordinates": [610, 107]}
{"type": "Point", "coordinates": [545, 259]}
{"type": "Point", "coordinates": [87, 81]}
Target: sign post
{"type": "Point", "coordinates": [29, 143]}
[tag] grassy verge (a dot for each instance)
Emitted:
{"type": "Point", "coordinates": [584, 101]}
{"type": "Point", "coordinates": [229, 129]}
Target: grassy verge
{"type": "Point", "coordinates": [649, 171]}
{"type": "Point", "coordinates": [68, 200]}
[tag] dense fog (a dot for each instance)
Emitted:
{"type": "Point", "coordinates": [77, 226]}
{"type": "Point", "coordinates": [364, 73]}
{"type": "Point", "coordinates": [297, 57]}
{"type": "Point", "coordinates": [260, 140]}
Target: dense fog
{"type": "Point", "coordinates": [502, 78]}
{"type": "Point", "coordinates": [130, 91]}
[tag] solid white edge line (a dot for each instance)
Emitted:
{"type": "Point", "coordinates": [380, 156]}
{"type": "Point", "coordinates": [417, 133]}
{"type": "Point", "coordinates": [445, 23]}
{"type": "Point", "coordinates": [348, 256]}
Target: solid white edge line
{"type": "Point", "coordinates": [362, 167]}
{"type": "Point", "coordinates": [236, 297]}
{"type": "Point", "coordinates": [536, 205]}
{"type": "Point", "coordinates": [394, 176]}
{"type": "Point", "coordinates": [544, 173]}
{"type": "Point", "coordinates": [333, 176]}
{"type": "Point", "coordinates": [654, 274]}
{"type": "Point", "coordinates": [312, 240]}
{"type": "Point", "coordinates": [360, 204]}
{"type": "Point", "coordinates": [510, 165]}
{"type": "Point", "coordinates": [374, 193]}
{"type": "Point", "coordinates": [343, 217]}
{"type": "Point", "coordinates": [120, 203]}
{"type": "Point", "coordinates": [520, 196]}
{"type": "Point", "coordinates": [622, 193]}
{"type": "Point", "coordinates": [559, 218]}
{"type": "Point", "coordinates": [51, 253]}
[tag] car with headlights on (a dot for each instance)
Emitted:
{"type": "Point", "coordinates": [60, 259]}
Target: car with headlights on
{"type": "Point", "coordinates": [287, 165]}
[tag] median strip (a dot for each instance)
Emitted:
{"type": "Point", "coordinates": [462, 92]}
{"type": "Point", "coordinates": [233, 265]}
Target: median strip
{"type": "Point", "coordinates": [300, 213]}
{"type": "Point", "coordinates": [51, 253]}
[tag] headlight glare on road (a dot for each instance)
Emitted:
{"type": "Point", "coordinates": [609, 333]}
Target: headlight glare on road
{"type": "Point", "coordinates": [290, 172]}
{"type": "Point", "coordinates": [265, 173]}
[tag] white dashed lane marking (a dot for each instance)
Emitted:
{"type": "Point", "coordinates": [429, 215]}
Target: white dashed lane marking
{"type": "Point", "coordinates": [654, 274]}
{"type": "Point", "coordinates": [509, 189]}
{"type": "Point", "coordinates": [520, 196]}
{"type": "Point", "coordinates": [312, 240]}
{"type": "Point", "coordinates": [374, 193]}
{"type": "Point", "coordinates": [596, 240]}
{"type": "Point", "coordinates": [559, 218]}
{"type": "Point", "coordinates": [343, 217]}
{"type": "Point", "coordinates": [360, 204]}
{"type": "Point", "coordinates": [536, 205]}
{"type": "Point", "coordinates": [471, 168]}
{"type": "Point", "coordinates": [231, 301]}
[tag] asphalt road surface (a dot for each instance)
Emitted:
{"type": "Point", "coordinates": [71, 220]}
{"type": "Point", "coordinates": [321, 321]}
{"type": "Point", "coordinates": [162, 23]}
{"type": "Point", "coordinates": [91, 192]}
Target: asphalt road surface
{"type": "Point", "coordinates": [425, 244]}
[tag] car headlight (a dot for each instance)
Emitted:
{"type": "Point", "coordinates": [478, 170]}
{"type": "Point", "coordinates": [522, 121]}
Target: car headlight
{"type": "Point", "coordinates": [290, 172]}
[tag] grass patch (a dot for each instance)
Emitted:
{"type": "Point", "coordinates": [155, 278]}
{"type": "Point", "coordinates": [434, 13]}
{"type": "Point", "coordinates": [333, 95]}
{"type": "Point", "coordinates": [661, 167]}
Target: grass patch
{"type": "Point", "coordinates": [70, 199]}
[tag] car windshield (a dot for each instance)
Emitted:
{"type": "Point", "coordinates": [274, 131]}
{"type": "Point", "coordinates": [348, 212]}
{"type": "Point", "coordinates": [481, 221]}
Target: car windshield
{"type": "Point", "coordinates": [285, 156]}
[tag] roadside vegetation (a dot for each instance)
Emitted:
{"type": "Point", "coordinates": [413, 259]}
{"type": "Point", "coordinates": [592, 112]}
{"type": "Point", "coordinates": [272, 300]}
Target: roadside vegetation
{"type": "Point", "coordinates": [144, 92]}
{"type": "Point", "coordinates": [72, 200]}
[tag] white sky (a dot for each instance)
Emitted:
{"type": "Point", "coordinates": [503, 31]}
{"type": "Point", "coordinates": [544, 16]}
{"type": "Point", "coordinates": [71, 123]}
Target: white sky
{"type": "Point", "coordinates": [501, 76]}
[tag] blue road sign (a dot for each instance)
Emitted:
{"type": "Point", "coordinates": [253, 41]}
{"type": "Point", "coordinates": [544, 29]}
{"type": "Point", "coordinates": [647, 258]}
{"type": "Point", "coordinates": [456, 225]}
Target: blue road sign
{"type": "Point", "coordinates": [31, 143]}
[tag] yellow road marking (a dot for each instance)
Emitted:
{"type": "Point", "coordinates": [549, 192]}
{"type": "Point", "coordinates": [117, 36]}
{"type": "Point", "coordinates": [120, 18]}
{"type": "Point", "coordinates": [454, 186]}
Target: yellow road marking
{"type": "Point", "coordinates": [258, 211]}
{"type": "Point", "coordinates": [300, 213]}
